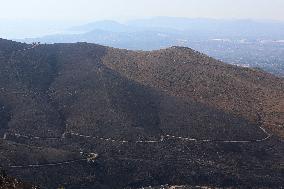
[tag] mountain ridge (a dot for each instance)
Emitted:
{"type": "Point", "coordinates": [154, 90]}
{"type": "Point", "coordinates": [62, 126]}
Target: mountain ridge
{"type": "Point", "coordinates": [245, 43]}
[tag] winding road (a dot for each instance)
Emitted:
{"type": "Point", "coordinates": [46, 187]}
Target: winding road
{"type": "Point", "coordinates": [90, 158]}
{"type": "Point", "coordinates": [93, 156]}
{"type": "Point", "coordinates": [47, 164]}
{"type": "Point", "coordinates": [162, 138]}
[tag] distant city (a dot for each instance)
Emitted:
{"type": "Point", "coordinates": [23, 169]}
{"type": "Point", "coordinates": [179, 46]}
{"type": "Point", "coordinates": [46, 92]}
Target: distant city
{"type": "Point", "coordinates": [244, 43]}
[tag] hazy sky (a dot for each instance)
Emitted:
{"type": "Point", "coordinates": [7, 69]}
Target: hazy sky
{"type": "Point", "coordinates": [91, 10]}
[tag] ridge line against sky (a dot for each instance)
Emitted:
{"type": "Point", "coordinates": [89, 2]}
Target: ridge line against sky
{"type": "Point", "coordinates": [121, 10]}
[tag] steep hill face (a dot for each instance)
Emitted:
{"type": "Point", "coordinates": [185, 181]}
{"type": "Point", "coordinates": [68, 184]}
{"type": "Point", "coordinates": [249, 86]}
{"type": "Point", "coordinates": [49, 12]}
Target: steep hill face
{"type": "Point", "coordinates": [53, 89]}
{"type": "Point", "coordinates": [174, 110]}
{"type": "Point", "coordinates": [185, 73]}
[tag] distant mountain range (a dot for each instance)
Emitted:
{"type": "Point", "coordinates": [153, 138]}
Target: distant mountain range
{"type": "Point", "coordinates": [193, 29]}
{"type": "Point", "coordinates": [241, 42]}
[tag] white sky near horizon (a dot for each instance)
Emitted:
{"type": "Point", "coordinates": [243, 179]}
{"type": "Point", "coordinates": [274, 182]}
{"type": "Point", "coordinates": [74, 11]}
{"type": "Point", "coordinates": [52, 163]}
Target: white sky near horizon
{"type": "Point", "coordinates": [34, 18]}
{"type": "Point", "coordinates": [121, 10]}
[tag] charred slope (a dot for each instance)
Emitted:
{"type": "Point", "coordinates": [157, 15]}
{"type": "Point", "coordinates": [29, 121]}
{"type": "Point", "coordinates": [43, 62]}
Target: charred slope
{"type": "Point", "coordinates": [52, 89]}
{"type": "Point", "coordinates": [48, 90]}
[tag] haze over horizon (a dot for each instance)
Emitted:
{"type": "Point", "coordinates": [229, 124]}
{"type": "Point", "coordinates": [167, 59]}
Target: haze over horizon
{"type": "Point", "coordinates": [92, 10]}
{"type": "Point", "coordinates": [36, 18]}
